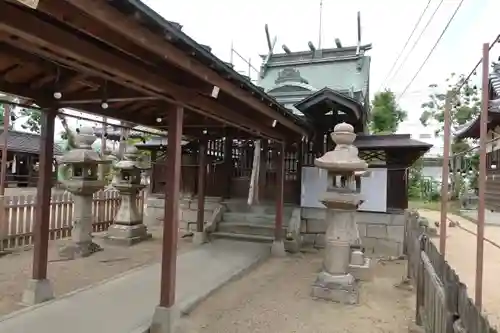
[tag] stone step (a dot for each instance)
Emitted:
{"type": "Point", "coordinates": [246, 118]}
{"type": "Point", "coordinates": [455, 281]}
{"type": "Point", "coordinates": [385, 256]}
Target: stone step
{"type": "Point", "coordinates": [265, 208]}
{"type": "Point", "coordinates": [242, 237]}
{"type": "Point", "coordinates": [248, 217]}
{"type": "Point", "coordinates": [246, 228]}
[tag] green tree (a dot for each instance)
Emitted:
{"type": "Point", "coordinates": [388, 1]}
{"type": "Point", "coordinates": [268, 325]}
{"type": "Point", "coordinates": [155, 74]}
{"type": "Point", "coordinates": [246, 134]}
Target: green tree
{"type": "Point", "coordinates": [12, 116]}
{"type": "Point", "coordinates": [33, 120]}
{"type": "Point", "coordinates": [465, 106]}
{"type": "Point", "coordinates": [386, 115]}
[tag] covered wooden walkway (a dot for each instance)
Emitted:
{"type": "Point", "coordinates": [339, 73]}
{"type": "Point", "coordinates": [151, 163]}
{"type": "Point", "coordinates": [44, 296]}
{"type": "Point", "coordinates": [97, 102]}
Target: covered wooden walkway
{"type": "Point", "coordinates": [120, 59]}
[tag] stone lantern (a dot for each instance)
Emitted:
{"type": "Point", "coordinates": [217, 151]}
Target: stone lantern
{"type": "Point", "coordinates": [79, 175]}
{"type": "Point", "coordinates": [128, 227]}
{"type": "Point", "coordinates": [344, 261]}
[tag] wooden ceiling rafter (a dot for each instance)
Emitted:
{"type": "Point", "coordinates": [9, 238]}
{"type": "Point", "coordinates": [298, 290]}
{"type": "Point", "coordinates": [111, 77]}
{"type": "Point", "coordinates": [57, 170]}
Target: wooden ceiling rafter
{"type": "Point", "coordinates": [84, 55]}
{"type": "Point", "coordinates": [114, 19]}
{"type": "Point", "coordinates": [203, 105]}
{"type": "Point", "coordinates": [98, 30]}
{"type": "Point", "coordinates": [65, 12]}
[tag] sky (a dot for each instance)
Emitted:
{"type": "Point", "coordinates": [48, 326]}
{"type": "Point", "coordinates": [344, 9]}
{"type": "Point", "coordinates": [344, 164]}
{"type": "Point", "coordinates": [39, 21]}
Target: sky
{"type": "Point", "coordinates": [386, 24]}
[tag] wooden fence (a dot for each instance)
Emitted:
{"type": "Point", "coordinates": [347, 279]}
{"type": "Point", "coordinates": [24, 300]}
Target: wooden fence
{"type": "Point", "coordinates": [443, 304]}
{"type": "Point", "coordinates": [19, 212]}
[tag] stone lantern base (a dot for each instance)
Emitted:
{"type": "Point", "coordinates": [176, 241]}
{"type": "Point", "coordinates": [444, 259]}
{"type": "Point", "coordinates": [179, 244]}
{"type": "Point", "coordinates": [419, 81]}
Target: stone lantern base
{"type": "Point", "coordinates": [73, 250]}
{"type": "Point", "coordinates": [335, 283]}
{"type": "Point", "coordinates": [336, 288]}
{"type": "Point", "coordinates": [120, 234]}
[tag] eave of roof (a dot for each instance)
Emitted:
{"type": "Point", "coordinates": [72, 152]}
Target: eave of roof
{"type": "Point", "coordinates": [471, 129]}
{"type": "Point", "coordinates": [206, 56]}
{"type": "Point", "coordinates": [15, 136]}
{"type": "Point", "coordinates": [390, 141]}
{"type": "Point", "coordinates": [326, 92]}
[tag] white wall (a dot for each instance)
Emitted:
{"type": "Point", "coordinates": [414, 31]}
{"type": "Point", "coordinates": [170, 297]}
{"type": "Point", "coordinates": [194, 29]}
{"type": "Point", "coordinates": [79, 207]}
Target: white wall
{"type": "Point", "coordinates": [373, 189]}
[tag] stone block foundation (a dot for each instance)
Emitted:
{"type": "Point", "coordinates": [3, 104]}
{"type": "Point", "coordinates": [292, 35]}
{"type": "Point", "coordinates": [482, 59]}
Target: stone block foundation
{"type": "Point", "coordinates": [382, 234]}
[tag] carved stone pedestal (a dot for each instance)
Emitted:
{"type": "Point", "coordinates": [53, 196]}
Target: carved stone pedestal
{"type": "Point", "coordinates": [127, 228]}
{"type": "Point", "coordinates": [81, 244]}
{"type": "Point", "coordinates": [337, 288]}
{"type": "Point", "coordinates": [119, 234]}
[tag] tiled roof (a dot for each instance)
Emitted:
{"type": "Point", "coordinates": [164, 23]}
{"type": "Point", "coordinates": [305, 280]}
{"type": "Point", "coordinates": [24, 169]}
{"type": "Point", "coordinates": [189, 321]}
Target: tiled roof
{"type": "Point", "coordinates": [495, 78]}
{"type": "Point", "coordinates": [25, 142]}
{"type": "Point", "coordinates": [471, 129]}
{"type": "Point", "coordinates": [371, 142]}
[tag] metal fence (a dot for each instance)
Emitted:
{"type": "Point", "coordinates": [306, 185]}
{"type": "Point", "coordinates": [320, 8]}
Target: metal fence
{"type": "Point", "coordinates": [442, 302]}
{"type": "Point", "coordinates": [19, 214]}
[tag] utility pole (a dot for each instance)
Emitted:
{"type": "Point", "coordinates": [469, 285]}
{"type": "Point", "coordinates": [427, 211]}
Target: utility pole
{"type": "Point", "coordinates": [445, 172]}
{"type": "Point", "coordinates": [482, 178]}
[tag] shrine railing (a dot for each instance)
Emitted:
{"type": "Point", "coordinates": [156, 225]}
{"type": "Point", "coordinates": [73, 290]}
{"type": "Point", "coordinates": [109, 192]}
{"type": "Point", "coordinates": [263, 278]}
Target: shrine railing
{"type": "Point", "coordinates": [442, 304]}
{"type": "Point", "coordinates": [16, 226]}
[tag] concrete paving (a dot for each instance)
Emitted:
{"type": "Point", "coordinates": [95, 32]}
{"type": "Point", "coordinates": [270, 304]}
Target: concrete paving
{"type": "Point", "coordinates": [490, 218]}
{"type": "Point", "coordinates": [126, 304]}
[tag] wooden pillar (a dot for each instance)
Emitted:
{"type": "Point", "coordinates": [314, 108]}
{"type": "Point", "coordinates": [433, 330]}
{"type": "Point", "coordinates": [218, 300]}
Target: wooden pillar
{"type": "Point", "coordinates": [44, 192]}
{"type": "Point", "coordinates": [280, 184]}
{"type": "Point", "coordinates": [171, 219]}
{"type": "Point", "coordinates": [202, 175]}
{"type": "Point", "coordinates": [228, 166]}
{"type": "Point", "coordinates": [263, 169]}
{"type": "Point", "coordinates": [298, 179]}
{"type": "Point", "coordinates": [154, 157]}
{"type": "Point", "coordinates": [3, 172]}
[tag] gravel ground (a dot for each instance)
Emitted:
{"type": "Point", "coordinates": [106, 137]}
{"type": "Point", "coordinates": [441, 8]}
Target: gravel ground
{"type": "Point", "coordinates": [276, 298]}
{"type": "Point", "coordinates": [67, 276]}
{"type": "Point", "coordinates": [461, 254]}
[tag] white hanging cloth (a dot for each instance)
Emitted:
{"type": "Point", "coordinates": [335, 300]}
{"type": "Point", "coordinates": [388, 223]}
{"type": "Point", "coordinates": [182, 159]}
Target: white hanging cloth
{"type": "Point", "coordinates": [14, 165]}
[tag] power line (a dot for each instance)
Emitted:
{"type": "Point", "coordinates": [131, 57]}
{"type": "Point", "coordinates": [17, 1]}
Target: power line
{"type": "Point", "coordinates": [417, 40]}
{"type": "Point", "coordinates": [432, 50]}
{"type": "Point", "coordinates": [496, 40]}
{"type": "Point", "coordinates": [406, 44]}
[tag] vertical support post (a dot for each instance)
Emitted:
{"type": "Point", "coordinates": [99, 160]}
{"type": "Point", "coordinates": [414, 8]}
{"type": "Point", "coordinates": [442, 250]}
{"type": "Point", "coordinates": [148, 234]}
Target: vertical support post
{"type": "Point", "coordinates": [482, 178]}
{"type": "Point", "coordinates": [102, 167]}
{"type": "Point", "coordinates": [228, 165]}
{"type": "Point", "coordinates": [39, 288]}
{"type": "Point", "coordinates": [44, 191]}
{"type": "Point", "coordinates": [263, 168]}
{"type": "Point", "coordinates": [300, 159]}
{"type": "Point", "coordinates": [154, 168]}
{"type": "Point", "coordinates": [202, 173]}
{"type": "Point", "coordinates": [171, 220]}
{"type": "Point", "coordinates": [3, 172]}
{"type": "Point", "coordinates": [419, 300]}
{"type": "Point", "coordinates": [445, 174]}
{"type": "Point", "coordinates": [280, 183]}
{"type": "Point", "coordinates": [278, 248]}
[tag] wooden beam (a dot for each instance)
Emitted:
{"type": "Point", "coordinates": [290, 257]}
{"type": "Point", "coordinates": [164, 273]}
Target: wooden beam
{"type": "Point", "coordinates": [88, 58]}
{"type": "Point", "coordinates": [103, 12]}
{"type": "Point", "coordinates": [66, 78]}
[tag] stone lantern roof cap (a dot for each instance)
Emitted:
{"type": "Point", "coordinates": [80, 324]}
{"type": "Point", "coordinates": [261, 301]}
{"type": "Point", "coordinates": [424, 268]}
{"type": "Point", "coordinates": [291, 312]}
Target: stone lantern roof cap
{"type": "Point", "coordinates": [344, 158]}
{"type": "Point", "coordinates": [85, 156]}
{"type": "Point", "coordinates": [126, 165]}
